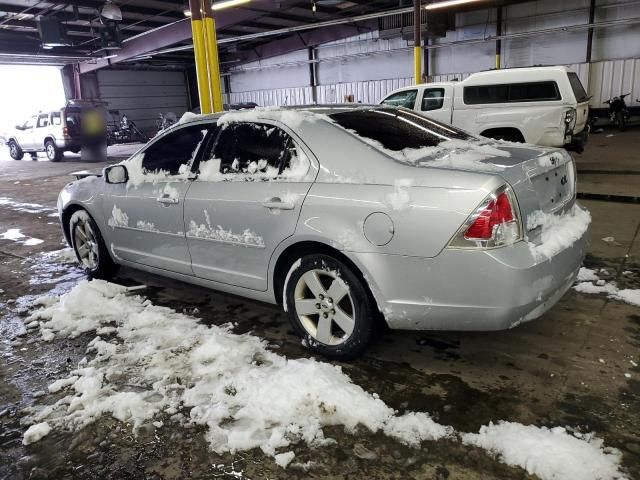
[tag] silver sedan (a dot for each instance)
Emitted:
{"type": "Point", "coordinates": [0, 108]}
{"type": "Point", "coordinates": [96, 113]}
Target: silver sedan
{"type": "Point", "coordinates": [347, 216]}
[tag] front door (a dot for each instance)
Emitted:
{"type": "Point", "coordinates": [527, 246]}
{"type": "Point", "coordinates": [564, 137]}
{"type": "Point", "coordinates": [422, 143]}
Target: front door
{"type": "Point", "coordinates": [145, 215]}
{"type": "Point", "coordinates": [245, 202]}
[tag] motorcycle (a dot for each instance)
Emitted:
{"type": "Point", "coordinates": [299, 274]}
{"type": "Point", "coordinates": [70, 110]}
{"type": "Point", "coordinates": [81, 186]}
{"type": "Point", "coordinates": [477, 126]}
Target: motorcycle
{"type": "Point", "coordinates": [618, 111]}
{"type": "Point", "coordinates": [123, 130]}
{"type": "Point", "coordinates": [166, 120]}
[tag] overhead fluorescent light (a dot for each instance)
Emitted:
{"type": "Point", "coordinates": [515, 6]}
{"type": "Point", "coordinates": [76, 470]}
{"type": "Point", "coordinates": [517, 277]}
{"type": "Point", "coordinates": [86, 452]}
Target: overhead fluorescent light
{"type": "Point", "coordinates": [187, 13]}
{"type": "Point", "coordinates": [227, 3]}
{"type": "Point", "coordinates": [448, 3]}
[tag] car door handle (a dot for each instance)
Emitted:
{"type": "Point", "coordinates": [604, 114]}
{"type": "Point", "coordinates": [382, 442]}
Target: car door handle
{"type": "Point", "coordinates": [167, 200]}
{"type": "Point", "coordinates": [277, 204]}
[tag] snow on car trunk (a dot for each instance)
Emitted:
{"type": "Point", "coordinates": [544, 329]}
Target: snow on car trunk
{"type": "Point", "coordinates": [153, 363]}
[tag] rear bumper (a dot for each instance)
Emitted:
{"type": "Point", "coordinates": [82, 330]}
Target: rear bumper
{"type": "Point", "coordinates": [578, 141]}
{"type": "Point", "coordinates": [469, 289]}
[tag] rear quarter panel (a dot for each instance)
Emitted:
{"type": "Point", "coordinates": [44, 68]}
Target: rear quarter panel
{"type": "Point", "coordinates": [421, 220]}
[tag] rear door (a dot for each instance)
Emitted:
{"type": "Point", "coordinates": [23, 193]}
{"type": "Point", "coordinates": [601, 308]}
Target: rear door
{"type": "Point", "coordinates": [245, 202]}
{"type": "Point", "coordinates": [25, 135]}
{"type": "Point", "coordinates": [42, 128]}
{"type": "Point", "coordinates": [145, 216]}
{"type": "Point", "coordinates": [436, 103]}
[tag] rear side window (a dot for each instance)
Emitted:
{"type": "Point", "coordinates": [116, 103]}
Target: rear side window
{"type": "Point", "coordinates": [56, 118]}
{"type": "Point", "coordinates": [252, 148]}
{"type": "Point", "coordinates": [406, 98]}
{"type": "Point", "coordinates": [511, 92]}
{"type": "Point", "coordinates": [432, 99]}
{"type": "Point", "coordinates": [174, 150]}
{"type": "Point", "coordinates": [397, 129]}
{"type": "Point", "coordinates": [576, 86]}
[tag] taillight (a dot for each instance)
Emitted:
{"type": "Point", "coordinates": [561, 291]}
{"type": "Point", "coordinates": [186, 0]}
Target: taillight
{"type": "Point", "coordinates": [495, 223]}
{"type": "Point", "coordinates": [498, 211]}
{"type": "Point", "coordinates": [65, 130]}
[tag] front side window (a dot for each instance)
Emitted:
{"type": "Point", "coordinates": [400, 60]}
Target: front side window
{"type": "Point", "coordinates": [406, 98]}
{"type": "Point", "coordinates": [397, 129]}
{"type": "Point", "coordinates": [511, 92]}
{"type": "Point", "coordinates": [174, 150]}
{"type": "Point", "coordinates": [432, 99]}
{"type": "Point", "coordinates": [43, 120]}
{"type": "Point", "coordinates": [253, 148]}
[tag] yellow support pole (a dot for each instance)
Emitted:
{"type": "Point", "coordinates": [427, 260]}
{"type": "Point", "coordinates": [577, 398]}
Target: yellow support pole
{"type": "Point", "coordinates": [200, 53]}
{"type": "Point", "coordinates": [212, 58]}
{"type": "Point", "coordinates": [417, 41]}
{"type": "Point", "coordinates": [497, 61]}
{"type": "Point", "coordinates": [417, 64]}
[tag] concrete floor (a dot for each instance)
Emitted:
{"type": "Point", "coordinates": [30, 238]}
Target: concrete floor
{"type": "Point", "coordinates": [566, 368]}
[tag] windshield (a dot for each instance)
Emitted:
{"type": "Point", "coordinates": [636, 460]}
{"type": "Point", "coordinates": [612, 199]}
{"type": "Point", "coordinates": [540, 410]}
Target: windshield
{"type": "Point", "coordinates": [578, 89]}
{"type": "Point", "coordinates": [397, 128]}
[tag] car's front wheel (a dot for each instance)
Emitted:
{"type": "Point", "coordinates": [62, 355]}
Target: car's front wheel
{"type": "Point", "coordinates": [53, 153]}
{"type": "Point", "coordinates": [329, 306]}
{"type": "Point", "coordinates": [89, 247]}
{"type": "Point", "coordinates": [15, 151]}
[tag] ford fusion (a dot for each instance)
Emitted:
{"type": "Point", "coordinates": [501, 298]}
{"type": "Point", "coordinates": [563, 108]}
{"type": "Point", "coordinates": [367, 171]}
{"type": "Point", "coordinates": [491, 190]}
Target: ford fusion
{"type": "Point", "coordinates": [347, 216]}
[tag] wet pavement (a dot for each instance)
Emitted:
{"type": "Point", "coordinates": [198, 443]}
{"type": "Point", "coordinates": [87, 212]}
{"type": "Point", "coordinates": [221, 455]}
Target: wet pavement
{"type": "Point", "coordinates": [566, 368]}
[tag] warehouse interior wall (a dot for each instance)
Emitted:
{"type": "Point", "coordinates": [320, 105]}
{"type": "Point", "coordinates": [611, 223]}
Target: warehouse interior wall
{"type": "Point", "coordinates": [365, 64]}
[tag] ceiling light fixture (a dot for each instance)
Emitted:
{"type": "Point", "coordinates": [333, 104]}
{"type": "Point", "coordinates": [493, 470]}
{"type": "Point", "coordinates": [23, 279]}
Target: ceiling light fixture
{"type": "Point", "coordinates": [227, 3]}
{"type": "Point", "coordinates": [448, 3]}
{"type": "Point", "coordinates": [111, 11]}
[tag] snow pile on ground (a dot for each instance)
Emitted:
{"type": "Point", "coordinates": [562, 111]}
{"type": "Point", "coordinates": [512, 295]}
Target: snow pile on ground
{"type": "Point", "coordinates": [26, 207]}
{"type": "Point", "coordinates": [153, 361]}
{"type": "Point", "coordinates": [551, 454]}
{"type": "Point", "coordinates": [586, 277]}
{"type": "Point", "coordinates": [118, 218]}
{"type": "Point", "coordinates": [35, 433]}
{"type": "Point", "coordinates": [209, 232]}
{"type": "Point", "coordinates": [558, 231]}
{"type": "Point", "coordinates": [15, 235]}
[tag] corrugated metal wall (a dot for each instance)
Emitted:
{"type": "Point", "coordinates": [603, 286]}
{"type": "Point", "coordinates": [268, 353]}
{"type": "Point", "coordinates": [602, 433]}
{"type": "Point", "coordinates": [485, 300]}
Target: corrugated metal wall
{"type": "Point", "coordinates": [602, 80]}
{"type": "Point", "coordinates": [143, 94]}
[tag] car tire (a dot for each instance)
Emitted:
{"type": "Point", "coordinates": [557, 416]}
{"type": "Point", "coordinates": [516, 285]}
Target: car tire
{"type": "Point", "coordinates": [338, 328]}
{"type": "Point", "coordinates": [89, 247]}
{"type": "Point", "coordinates": [15, 151]}
{"type": "Point", "coordinates": [54, 154]}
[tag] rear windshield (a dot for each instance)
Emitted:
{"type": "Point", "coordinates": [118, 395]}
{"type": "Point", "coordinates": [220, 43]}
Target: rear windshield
{"type": "Point", "coordinates": [397, 128]}
{"type": "Point", "coordinates": [576, 86]}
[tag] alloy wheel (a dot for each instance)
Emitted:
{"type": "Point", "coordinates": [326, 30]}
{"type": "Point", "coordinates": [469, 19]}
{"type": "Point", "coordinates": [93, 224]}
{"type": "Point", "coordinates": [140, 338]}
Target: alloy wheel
{"type": "Point", "coordinates": [324, 306]}
{"type": "Point", "coordinates": [13, 150]}
{"type": "Point", "coordinates": [51, 152]}
{"type": "Point", "coordinates": [86, 244]}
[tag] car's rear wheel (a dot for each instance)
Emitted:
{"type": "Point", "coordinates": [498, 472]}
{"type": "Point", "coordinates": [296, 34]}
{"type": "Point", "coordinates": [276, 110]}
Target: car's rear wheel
{"type": "Point", "coordinates": [89, 247]}
{"type": "Point", "coordinates": [15, 151]}
{"type": "Point", "coordinates": [53, 153]}
{"type": "Point", "coordinates": [329, 306]}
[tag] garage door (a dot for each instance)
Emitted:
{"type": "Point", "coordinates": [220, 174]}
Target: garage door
{"type": "Point", "coordinates": [142, 95]}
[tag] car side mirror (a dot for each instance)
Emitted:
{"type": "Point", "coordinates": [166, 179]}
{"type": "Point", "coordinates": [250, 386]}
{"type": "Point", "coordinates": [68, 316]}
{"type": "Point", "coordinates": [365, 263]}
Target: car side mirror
{"type": "Point", "coordinates": [116, 174]}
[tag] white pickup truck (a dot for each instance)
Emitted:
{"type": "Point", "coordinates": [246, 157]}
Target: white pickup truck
{"type": "Point", "coordinates": [539, 105]}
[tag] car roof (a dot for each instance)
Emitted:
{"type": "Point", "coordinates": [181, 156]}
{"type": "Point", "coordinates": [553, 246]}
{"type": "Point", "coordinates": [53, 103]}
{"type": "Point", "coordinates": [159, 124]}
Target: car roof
{"type": "Point", "coordinates": [272, 112]}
